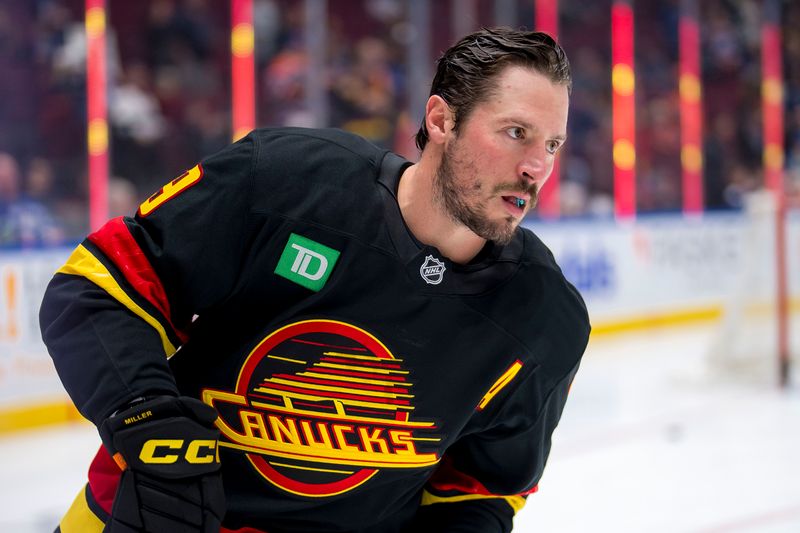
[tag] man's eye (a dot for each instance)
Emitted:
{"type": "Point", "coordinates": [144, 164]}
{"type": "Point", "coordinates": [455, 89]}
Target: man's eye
{"type": "Point", "coordinates": [516, 133]}
{"type": "Point", "coordinates": [552, 146]}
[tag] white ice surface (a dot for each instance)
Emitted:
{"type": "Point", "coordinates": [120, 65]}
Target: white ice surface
{"type": "Point", "coordinates": [650, 442]}
{"type": "Point", "coordinates": [654, 441]}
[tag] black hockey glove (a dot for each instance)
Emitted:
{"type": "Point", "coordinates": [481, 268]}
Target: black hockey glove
{"type": "Point", "coordinates": [171, 482]}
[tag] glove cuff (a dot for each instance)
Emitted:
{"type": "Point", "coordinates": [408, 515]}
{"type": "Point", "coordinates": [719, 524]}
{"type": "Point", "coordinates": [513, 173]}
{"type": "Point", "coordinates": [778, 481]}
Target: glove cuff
{"type": "Point", "coordinates": [171, 437]}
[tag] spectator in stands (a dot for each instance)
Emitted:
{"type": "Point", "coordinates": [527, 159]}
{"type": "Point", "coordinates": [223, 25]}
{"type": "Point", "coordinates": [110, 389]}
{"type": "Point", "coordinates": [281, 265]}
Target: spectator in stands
{"type": "Point", "coordinates": [137, 125]}
{"type": "Point", "coordinates": [40, 183]}
{"type": "Point", "coordinates": [24, 221]}
{"type": "Point", "coordinates": [123, 198]}
{"type": "Point", "coordinates": [183, 44]}
{"type": "Point", "coordinates": [284, 88]}
{"type": "Point", "coordinates": [364, 96]}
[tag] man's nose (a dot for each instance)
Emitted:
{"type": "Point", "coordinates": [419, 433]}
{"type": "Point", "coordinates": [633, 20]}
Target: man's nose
{"type": "Point", "coordinates": [533, 169]}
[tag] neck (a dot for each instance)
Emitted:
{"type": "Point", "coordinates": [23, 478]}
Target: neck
{"type": "Point", "coordinates": [428, 221]}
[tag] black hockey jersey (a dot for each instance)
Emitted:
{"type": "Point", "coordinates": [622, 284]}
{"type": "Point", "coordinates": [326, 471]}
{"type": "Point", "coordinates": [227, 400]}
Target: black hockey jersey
{"type": "Point", "coordinates": [364, 382]}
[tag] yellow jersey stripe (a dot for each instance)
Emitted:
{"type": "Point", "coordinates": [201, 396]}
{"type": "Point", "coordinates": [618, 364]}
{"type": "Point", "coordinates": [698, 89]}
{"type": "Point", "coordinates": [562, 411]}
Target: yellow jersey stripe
{"type": "Point", "coordinates": [361, 368]}
{"type": "Point", "coordinates": [516, 502]}
{"type": "Point", "coordinates": [287, 359]}
{"type": "Point", "coordinates": [83, 263]}
{"type": "Point", "coordinates": [317, 398]}
{"type": "Point", "coordinates": [315, 386]}
{"type": "Point", "coordinates": [504, 380]}
{"type": "Point", "coordinates": [365, 357]}
{"type": "Point", "coordinates": [80, 518]}
{"type": "Point", "coordinates": [337, 377]}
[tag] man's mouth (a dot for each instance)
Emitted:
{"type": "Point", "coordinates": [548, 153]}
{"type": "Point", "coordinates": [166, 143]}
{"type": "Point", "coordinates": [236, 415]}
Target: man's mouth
{"type": "Point", "coordinates": [517, 201]}
{"type": "Point", "coordinates": [515, 204]}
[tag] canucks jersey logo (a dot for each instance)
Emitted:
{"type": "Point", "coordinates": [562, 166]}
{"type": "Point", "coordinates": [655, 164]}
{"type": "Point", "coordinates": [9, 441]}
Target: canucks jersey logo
{"type": "Point", "coordinates": [432, 270]}
{"type": "Point", "coordinates": [320, 407]}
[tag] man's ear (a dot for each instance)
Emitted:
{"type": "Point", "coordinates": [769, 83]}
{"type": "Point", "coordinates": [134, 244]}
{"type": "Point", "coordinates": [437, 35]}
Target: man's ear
{"type": "Point", "coordinates": [438, 119]}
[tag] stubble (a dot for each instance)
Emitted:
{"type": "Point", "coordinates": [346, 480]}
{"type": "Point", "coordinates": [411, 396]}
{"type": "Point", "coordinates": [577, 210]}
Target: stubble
{"type": "Point", "coordinates": [462, 197]}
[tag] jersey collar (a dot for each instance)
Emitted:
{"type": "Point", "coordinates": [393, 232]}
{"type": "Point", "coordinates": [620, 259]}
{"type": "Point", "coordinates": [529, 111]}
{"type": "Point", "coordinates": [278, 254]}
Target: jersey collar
{"type": "Point", "coordinates": [493, 265]}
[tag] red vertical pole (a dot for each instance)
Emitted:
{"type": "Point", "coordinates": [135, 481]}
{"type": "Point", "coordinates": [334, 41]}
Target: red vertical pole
{"type": "Point", "coordinates": [690, 90]}
{"type": "Point", "coordinates": [773, 133]}
{"type": "Point", "coordinates": [96, 112]}
{"type": "Point", "coordinates": [546, 13]}
{"type": "Point", "coordinates": [623, 81]}
{"type": "Point", "coordinates": [243, 100]}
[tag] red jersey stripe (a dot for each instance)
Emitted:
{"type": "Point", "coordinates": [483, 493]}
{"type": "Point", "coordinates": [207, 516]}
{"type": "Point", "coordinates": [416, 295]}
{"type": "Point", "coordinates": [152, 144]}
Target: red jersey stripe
{"type": "Point", "coordinates": [104, 477]}
{"type": "Point", "coordinates": [349, 348]}
{"type": "Point", "coordinates": [357, 363]}
{"type": "Point", "coordinates": [116, 242]}
{"type": "Point", "coordinates": [447, 478]}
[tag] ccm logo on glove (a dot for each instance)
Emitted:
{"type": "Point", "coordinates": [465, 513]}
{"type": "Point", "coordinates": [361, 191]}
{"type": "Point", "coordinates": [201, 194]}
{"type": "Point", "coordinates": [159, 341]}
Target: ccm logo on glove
{"type": "Point", "coordinates": [171, 482]}
{"type": "Point", "coordinates": [156, 451]}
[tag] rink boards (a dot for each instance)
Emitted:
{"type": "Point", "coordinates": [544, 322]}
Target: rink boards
{"type": "Point", "coordinates": [657, 270]}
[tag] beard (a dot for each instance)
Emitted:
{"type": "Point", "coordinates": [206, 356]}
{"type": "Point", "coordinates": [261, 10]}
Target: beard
{"type": "Point", "coordinates": [462, 200]}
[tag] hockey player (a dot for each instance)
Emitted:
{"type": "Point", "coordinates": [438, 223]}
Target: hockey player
{"type": "Point", "coordinates": [307, 333]}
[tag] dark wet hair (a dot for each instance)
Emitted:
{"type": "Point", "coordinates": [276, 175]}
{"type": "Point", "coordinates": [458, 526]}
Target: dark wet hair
{"type": "Point", "coordinates": [466, 73]}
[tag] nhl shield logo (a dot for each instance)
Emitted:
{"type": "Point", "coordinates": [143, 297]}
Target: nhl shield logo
{"type": "Point", "coordinates": [432, 270]}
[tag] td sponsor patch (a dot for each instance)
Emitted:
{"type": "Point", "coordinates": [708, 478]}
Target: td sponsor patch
{"type": "Point", "coordinates": [306, 262]}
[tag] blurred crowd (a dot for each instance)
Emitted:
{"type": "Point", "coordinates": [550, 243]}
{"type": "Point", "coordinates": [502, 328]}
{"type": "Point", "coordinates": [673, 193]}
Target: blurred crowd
{"type": "Point", "coordinates": [731, 80]}
{"type": "Point", "coordinates": [169, 97]}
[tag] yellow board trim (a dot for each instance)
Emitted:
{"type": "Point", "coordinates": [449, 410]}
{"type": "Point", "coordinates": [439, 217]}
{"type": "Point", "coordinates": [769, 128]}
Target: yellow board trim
{"type": "Point", "coordinates": [30, 416]}
{"type": "Point", "coordinates": [516, 502]}
{"type": "Point", "coordinates": [675, 318]}
{"type": "Point", "coordinates": [83, 263]}
{"type": "Point", "coordinates": [680, 317]}
{"type": "Point", "coordinates": [21, 418]}
{"type": "Point", "coordinates": [81, 519]}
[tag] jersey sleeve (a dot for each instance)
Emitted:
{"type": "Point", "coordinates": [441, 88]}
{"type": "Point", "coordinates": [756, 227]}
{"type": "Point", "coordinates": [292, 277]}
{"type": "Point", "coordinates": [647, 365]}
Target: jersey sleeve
{"type": "Point", "coordinates": [486, 477]}
{"type": "Point", "coordinates": [125, 299]}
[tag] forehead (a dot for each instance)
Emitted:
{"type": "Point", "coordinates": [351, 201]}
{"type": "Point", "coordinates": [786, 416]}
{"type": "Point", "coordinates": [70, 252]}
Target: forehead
{"type": "Point", "coordinates": [525, 94]}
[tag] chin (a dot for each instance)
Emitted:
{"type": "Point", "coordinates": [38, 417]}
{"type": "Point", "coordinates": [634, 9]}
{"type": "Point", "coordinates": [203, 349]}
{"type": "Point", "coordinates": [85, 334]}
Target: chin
{"type": "Point", "coordinates": [505, 238]}
{"type": "Point", "coordinates": [500, 233]}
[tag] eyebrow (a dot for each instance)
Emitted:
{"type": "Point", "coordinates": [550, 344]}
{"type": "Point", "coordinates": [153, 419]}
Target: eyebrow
{"type": "Point", "coordinates": [527, 125]}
